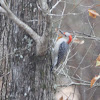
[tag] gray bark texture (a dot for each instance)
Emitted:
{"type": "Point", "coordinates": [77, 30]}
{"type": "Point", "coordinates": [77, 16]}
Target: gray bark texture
{"type": "Point", "coordinates": [24, 75]}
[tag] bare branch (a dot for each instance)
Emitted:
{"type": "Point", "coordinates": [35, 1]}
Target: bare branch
{"type": "Point", "coordinates": [93, 93]}
{"type": "Point", "coordinates": [44, 6]}
{"type": "Point", "coordinates": [47, 28]}
{"type": "Point", "coordinates": [72, 83]}
{"type": "Point", "coordinates": [55, 5]}
{"type": "Point", "coordinates": [62, 14]}
{"type": "Point", "coordinates": [82, 60]}
{"type": "Point", "coordinates": [5, 9]}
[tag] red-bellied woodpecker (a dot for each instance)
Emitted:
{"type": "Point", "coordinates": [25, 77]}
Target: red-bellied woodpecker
{"type": "Point", "coordinates": [61, 48]}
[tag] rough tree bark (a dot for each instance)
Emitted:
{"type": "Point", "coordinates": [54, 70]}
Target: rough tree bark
{"type": "Point", "coordinates": [30, 77]}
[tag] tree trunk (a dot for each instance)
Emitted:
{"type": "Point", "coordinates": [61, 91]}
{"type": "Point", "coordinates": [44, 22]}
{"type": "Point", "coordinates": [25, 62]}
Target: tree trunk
{"type": "Point", "coordinates": [29, 75]}
{"type": "Point", "coordinates": [31, 79]}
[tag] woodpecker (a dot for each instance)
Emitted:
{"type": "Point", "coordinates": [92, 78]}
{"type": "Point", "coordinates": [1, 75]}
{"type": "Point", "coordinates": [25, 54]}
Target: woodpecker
{"type": "Point", "coordinates": [61, 48]}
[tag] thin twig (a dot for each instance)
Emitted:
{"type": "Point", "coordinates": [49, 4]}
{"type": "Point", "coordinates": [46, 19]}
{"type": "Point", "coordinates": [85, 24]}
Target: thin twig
{"type": "Point", "coordinates": [90, 26]}
{"type": "Point", "coordinates": [92, 93]}
{"type": "Point", "coordinates": [72, 55]}
{"type": "Point", "coordinates": [82, 60]}
{"type": "Point", "coordinates": [55, 5]}
{"type": "Point", "coordinates": [72, 83]}
{"type": "Point", "coordinates": [66, 14]}
{"type": "Point", "coordinates": [71, 10]}
{"type": "Point", "coordinates": [62, 14]}
{"type": "Point", "coordinates": [74, 92]}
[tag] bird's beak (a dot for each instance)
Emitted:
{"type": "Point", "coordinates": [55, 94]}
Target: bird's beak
{"type": "Point", "coordinates": [64, 34]}
{"type": "Point", "coordinates": [70, 39]}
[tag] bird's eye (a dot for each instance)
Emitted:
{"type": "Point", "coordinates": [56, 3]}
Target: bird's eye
{"type": "Point", "coordinates": [64, 35]}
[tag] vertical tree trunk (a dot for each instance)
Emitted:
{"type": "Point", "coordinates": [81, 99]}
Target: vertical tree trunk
{"type": "Point", "coordinates": [30, 77]}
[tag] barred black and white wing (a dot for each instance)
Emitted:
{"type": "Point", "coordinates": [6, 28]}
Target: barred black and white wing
{"type": "Point", "coordinates": [62, 53]}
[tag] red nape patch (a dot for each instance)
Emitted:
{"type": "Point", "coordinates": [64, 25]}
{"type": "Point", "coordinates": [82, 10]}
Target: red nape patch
{"type": "Point", "coordinates": [70, 39]}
